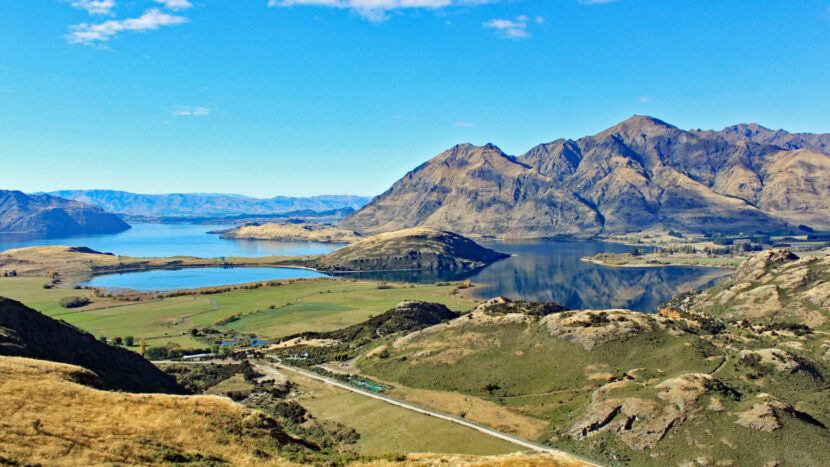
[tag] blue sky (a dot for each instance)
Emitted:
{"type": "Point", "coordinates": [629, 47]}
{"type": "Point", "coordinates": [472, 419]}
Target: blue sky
{"type": "Point", "coordinates": [304, 97]}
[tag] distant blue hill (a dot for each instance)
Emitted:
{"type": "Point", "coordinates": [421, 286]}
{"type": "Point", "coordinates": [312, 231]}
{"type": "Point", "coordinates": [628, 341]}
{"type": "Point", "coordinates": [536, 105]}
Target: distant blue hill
{"type": "Point", "coordinates": [53, 216]}
{"type": "Point", "coordinates": [207, 204]}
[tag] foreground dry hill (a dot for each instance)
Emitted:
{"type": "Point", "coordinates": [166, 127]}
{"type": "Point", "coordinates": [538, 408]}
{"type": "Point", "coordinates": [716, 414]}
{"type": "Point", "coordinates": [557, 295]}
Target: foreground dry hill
{"type": "Point", "coordinates": [642, 173]}
{"type": "Point", "coordinates": [49, 418]}
{"type": "Point", "coordinates": [53, 216]}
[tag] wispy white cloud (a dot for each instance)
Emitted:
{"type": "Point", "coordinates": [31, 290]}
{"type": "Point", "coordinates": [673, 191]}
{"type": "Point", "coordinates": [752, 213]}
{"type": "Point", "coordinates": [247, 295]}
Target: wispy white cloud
{"type": "Point", "coordinates": [175, 5]}
{"type": "Point", "coordinates": [152, 19]}
{"type": "Point", "coordinates": [378, 10]}
{"type": "Point", "coordinates": [511, 29]}
{"type": "Point", "coordinates": [94, 7]}
{"type": "Point", "coordinates": [464, 124]}
{"type": "Point", "coordinates": [185, 111]}
{"type": "Point", "coordinates": [644, 99]}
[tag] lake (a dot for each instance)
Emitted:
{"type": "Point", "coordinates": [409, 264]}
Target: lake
{"type": "Point", "coordinates": [537, 271]}
{"type": "Point", "coordinates": [173, 279]}
{"type": "Point", "coordinates": [552, 271]}
{"type": "Point", "coordinates": [154, 240]}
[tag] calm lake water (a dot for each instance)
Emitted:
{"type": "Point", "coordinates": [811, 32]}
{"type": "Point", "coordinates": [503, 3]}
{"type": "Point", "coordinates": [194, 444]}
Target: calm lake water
{"type": "Point", "coordinates": [538, 271]}
{"type": "Point", "coordinates": [551, 271]}
{"type": "Point", "coordinates": [152, 240]}
{"type": "Point", "coordinates": [193, 278]}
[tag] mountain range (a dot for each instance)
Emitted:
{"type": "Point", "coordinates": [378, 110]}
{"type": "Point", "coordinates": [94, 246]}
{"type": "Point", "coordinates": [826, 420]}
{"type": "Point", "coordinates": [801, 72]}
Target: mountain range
{"type": "Point", "coordinates": [51, 215]}
{"type": "Point", "coordinates": [637, 175]}
{"type": "Point", "coordinates": [206, 204]}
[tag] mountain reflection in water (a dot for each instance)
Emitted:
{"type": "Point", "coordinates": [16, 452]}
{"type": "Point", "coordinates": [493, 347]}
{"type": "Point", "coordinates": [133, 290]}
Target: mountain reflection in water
{"type": "Point", "coordinates": [553, 271]}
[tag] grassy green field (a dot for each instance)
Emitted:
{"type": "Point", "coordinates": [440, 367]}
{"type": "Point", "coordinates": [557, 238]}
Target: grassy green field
{"type": "Point", "coordinates": [298, 306]}
{"type": "Point", "coordinates": [385, 428]}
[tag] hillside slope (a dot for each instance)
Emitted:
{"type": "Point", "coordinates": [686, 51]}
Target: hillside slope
{"type": "Point", "coordinates": [25, 332]}
{"type": "Point", "coordinates": [621, 386]}
{"type": "Point", "coordinates": [640, 174]}
{"type": "Point", "coordinates": [53, 216]}
{"type": "Point", "coordinates": [408, 249]}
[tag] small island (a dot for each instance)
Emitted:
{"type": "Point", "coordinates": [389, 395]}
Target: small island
{"type": "Point", "coordinates": [408, 249]}
{"type": "Point", "coordinates": [292, 232]}
{"type": "Point", "coordinates": [666, 257]}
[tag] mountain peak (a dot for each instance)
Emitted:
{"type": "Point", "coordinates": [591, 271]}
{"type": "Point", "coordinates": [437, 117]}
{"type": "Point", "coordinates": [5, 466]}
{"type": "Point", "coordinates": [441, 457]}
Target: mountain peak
{"type": "Point", "coordinates": [645, 121]}
{"type": "Point", "coordinates": [638, 124]}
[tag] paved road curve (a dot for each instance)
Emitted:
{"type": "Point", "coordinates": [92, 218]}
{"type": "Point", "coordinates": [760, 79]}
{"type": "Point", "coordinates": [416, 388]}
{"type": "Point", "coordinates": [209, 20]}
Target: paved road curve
{"type": "Point", "coordinates": [489, 431]}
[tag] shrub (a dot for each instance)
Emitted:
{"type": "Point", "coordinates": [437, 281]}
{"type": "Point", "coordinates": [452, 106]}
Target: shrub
{"type": "Point", "coordinates": [117, 340]}
{"type": "Point", "coordinates": [129, 341]}
{"type": "Point", "coordinates": [74, 302]}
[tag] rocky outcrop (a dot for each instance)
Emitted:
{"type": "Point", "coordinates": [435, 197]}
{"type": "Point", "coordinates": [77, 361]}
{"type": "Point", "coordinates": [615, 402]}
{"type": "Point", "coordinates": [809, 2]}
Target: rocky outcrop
{"type": "Point", "coordinates": [51, 216]}
{"type": "Point", "coordinates": [406, 250]}
{"type": "Point", "coordinates": [642, 173]}
{"type": "Point", "coordinates": [779, 359]}
{"type": "Point", "coordinates": [773, 283]}
{"type": "Point", "coordinates": [642, 423]}
{"type": "Point", "coordinates": [590, 328]}
{"type": "Point", "coordinates": [767, 413]}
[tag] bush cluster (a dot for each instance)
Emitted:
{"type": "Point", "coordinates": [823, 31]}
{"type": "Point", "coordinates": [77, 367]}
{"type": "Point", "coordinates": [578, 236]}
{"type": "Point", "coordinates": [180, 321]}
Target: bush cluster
{"type": "Point", "coordinates": [74, 302]}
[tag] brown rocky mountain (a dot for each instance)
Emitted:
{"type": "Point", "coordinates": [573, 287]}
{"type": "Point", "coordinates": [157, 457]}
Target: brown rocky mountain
{"type": "Point", "coordinates": [53, 216]}
{"type": "Point", "coordinates": [642, 173]}
{"type": "Point", "coordinates": [759, 134]}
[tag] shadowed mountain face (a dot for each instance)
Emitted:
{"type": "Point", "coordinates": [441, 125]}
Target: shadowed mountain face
{"type": "Point", "coordinates": [642, 173]}
{"type": "Point", "coordinates": [25, 332]}
{"type": "Point", "coordinates": [207, 204]}
{"type": "Point", "coordinates": [53, 216]}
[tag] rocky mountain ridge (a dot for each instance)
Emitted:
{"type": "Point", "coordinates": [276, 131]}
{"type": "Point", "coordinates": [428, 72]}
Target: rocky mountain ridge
{"type": "Point", "coordinates": [640, 174]}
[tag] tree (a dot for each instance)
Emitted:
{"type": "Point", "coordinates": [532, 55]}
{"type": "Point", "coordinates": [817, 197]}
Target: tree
{"type": "Point", "coordinates": [117, 340]}
{"type": "Point", "coordinates": [142, 346]}
{"type": "Point", "coordinates": [129, 341]}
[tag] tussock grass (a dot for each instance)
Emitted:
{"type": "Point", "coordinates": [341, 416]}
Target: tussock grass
{"type": "Point", "coordinates": [48, 418]}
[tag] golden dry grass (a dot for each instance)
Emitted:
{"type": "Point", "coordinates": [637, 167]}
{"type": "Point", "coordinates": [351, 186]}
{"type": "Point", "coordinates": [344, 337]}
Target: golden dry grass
{"type": "Point", "coordinates": [474, 409]}
{"type": "Point", "coordinates": [47, 418]}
